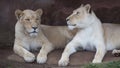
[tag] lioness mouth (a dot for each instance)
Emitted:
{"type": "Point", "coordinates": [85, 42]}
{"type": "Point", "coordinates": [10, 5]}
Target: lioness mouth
{"type": "Point", "coordinates": [33, 32]}
{"type": "Point", "coordinates": [71, 24]}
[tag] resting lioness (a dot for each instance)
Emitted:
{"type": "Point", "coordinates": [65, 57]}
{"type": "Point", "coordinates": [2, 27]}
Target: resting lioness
{"type": "Point", "coordinates": [92, 35]}
{"type": "Point", "coordinates": [30, 35]}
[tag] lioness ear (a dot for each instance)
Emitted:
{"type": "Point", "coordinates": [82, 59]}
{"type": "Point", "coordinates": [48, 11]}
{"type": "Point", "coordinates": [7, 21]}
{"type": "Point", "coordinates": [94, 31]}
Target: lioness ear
{"type": "Point", "coordinates": [18, 13]}
{"type": "Point", "coordinates": [87, 7]}
{"type": "Point", "coordinates": [81, 5]}
{"type": "Point", "coordinates": [39, 11]}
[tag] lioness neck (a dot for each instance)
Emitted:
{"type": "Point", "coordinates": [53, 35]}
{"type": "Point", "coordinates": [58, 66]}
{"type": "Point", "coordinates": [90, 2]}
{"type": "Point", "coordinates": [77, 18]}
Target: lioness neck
{"type": "Point", "coordinates": [95, 25]}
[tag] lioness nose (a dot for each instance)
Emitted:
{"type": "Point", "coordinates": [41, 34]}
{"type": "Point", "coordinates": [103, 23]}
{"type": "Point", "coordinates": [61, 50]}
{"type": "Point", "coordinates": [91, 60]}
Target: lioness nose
{"type": "Point", "coordinates": [34, 28]}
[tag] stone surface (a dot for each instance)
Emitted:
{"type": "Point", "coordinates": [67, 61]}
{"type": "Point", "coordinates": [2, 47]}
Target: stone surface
{"type": "Point", "coordinates": [9, 59]}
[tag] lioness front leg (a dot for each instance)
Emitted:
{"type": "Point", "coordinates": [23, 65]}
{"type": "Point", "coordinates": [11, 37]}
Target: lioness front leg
{"type": "Point", "coordinates": [69, 49]}
{"type": "Point", "coordinates": [100, 52]}
{"type": "Point", "coordinates": [42, 56]}
{"type": "Point", "coordinates": [28, 56]}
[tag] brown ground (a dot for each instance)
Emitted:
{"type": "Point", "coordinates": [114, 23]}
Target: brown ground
{"type": "Point", "coordinates": [10, 60]}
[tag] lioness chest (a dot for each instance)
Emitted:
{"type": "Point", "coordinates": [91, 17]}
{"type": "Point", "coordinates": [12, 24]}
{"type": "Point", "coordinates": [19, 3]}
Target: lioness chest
{"type": "Point", "coordinates": [32, 43]}
{"type": "Point", "coordinates": [87, 39]}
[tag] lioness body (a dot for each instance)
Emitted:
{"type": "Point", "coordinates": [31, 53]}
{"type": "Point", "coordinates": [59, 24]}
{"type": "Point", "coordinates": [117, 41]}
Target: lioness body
{"type": "Point", "coordinates": [92, 35]}
{"type": "Point", "coordinates": [111, 36]}
{"type": "Point", "coordinates": [59, 36]}
{"type": "Point", "coordinates": [30, 35]}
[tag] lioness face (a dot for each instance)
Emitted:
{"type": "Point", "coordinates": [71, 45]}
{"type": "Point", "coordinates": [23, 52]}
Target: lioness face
{"type": "Point", "coordinates": [30, 20]}
{"type": "Point", "coordinates": [79, 18]}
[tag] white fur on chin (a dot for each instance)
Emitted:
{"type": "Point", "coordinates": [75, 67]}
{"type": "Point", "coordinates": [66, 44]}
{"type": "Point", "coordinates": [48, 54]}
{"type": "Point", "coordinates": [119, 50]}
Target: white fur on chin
{"type": "Point", "coordinates": [71, 27]}
{"type": "Point", "coordinates": [33, 34]}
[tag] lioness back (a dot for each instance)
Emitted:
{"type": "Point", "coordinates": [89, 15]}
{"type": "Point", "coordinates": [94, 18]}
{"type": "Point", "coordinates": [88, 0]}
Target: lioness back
{"type": "Point", "coordinates": [59, 36]}
{"type": "Point", "coordinates": [112, 38]}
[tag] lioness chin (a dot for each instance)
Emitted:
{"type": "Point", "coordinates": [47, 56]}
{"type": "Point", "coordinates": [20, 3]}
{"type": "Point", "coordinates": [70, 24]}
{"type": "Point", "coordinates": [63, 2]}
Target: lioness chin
{"type": "Point", "coordinates": [91, 35]}
{"type": "Point", "coordinates": [30, 35]}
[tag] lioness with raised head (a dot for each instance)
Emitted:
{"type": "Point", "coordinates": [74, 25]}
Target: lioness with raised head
{"type": "Point", "coordinates": [91, 35]}
{"type": "Point", "coordinates": [30, 35]}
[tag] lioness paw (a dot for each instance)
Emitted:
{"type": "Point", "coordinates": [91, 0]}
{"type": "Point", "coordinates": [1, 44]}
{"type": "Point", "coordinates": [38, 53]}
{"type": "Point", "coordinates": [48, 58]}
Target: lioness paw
{"type": "Point", "coordinates": [41, 59]}
{"type": "Point", "coordinates": [63, 62]}
{"type": "Point", "coordinates": [116, 53]}
{"type": "Point", "coordinates": [96, 61]}
{"type": "Point", "coordinates": [29, 57]}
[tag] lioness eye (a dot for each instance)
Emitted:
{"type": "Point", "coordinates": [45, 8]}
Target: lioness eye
{"type": "Point", "coordinates": [77, 12]}
{"type": "Point", "coordinates": [27, 19]}
{"type": "Point", "coordinates": [37, 19]}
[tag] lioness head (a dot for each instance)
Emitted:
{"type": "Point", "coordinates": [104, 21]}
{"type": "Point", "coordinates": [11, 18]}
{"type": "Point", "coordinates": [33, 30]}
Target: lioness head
{"type": "Point", "coordinates": [30, 20]}
{"type": "Point", "coordinates": [79, 18]}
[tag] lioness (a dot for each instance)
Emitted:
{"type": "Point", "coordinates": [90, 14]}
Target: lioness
{"type": "Point", "coordinates": [92, 35]}
{"type": "Point", "coordinates": [30, 35]}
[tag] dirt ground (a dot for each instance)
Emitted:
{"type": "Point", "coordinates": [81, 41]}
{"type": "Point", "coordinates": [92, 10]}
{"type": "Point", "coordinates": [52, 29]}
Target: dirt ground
{"type": "Point", "coordinates": [10, 60]}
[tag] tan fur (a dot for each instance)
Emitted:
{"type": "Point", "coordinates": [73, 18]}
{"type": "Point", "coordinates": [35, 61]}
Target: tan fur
{"type": "Point", "coordinates": [58, 35]}
{"type": "Point", "coordinates": [111, 35]}
{"type": "Point", "coordinates": [47, 37]}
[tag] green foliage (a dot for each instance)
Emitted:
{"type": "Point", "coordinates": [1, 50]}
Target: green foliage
{"type": "Point", "coordinates": [114, 64]}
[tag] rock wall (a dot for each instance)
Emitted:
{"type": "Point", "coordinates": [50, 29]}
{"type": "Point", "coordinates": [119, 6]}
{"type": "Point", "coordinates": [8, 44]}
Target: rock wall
{"type": "Point", "coordinates": [55, 12]}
